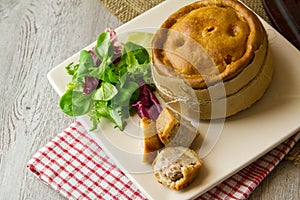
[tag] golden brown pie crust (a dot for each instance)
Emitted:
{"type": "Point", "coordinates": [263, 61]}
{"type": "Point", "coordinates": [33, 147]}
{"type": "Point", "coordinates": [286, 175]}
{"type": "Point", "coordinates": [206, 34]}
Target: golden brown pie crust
{"type": "Point", "coordinates": [228, 31]}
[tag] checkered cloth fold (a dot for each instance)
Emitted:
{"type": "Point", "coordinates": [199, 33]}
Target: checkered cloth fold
{"type": "Point", "coordinates": [74, 165]}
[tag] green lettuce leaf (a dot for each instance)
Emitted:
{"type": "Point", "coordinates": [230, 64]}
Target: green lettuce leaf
{"type": "Point", "coordinates": [106, 92]}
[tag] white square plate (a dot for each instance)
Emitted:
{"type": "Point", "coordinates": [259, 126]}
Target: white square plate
{"type": "Point", "coordinates": [244, 138]}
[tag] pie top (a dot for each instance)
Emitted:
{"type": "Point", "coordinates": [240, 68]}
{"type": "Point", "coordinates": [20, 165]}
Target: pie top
{"type": "Point", "coordinates": [207, 41]}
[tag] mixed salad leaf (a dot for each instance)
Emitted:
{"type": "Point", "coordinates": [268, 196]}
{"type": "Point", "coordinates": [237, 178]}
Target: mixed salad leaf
{"type": "Point", "coordinates": [110, 81]}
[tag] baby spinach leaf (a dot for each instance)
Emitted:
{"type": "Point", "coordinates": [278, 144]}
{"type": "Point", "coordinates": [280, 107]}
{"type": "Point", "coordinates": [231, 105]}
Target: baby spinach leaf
{"type": "Point", "coordinates": [106, 92]}
{"type": "Point", "coordinates": [125, 93]}
{"type": "Point", "coordinates": [81, 103]}
{"type": "Point", "coordinates": [75, 103]}
{"type": "Point", "coordinates": [86, 62]}
{"type": "Point", "coordinates": [65, 102]}
{"type": "Point", "coordinates": [104, 48]}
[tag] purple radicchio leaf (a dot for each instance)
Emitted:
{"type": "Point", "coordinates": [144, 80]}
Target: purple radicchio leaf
{"type": "Point", "coordinates": [147, 105]}
{"type": "Point", "coordinates": [90, 84]}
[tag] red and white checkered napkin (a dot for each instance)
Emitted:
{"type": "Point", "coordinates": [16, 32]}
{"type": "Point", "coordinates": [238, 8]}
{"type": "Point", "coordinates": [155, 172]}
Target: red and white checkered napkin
{"type": "Point", "coordinates": [74, 165]}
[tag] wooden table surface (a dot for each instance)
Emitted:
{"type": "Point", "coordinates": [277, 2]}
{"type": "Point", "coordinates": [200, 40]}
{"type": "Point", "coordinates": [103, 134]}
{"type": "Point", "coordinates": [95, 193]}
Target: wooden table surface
{"type": "Point", "coordinates": [35, 36]}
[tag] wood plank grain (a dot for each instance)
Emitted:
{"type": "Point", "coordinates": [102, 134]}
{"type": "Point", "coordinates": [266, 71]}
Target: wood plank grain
{"type": "Point", "coordinates": [282, 183]}
{"type": "Point", "coordinates": [38, 36]}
